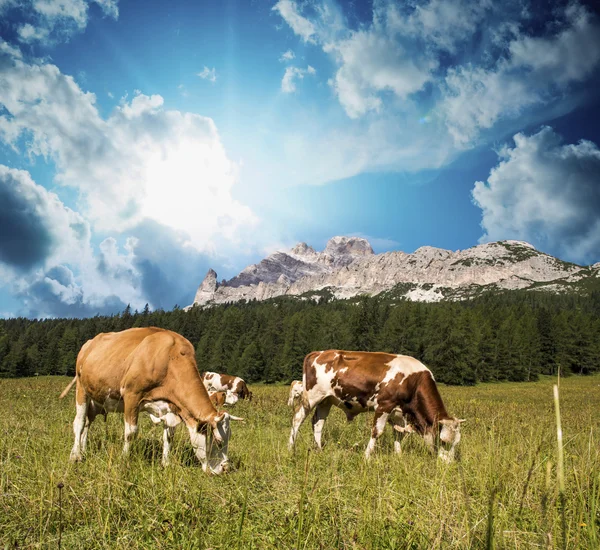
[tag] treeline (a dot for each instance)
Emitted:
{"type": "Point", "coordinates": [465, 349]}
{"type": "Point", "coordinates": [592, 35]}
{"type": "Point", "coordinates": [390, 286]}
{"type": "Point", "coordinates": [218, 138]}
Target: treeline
{"type": "Point", "coordinates": [512, 336]}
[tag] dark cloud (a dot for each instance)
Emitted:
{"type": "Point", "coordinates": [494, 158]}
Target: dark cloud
{"type": "Point", "coordinates": [170, 270]}
{"type": "Point", "coordinates": [25, 236]}
{"type": "Point", "coordinates": [57, 294]}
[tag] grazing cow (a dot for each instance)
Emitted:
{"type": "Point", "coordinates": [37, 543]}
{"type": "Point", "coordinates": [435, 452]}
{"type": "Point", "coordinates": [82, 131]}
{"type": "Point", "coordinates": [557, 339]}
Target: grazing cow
{"type": "Point", "coordinates": [400, 389]}
{"type": "Point", "coordinates": [214, 381]}
{"type": "Point", "coordinates": [152, 370]}
{"type": "Point", "coordinates": [295, 394]}
{"type": "Point", "coordinates": [219, 398]}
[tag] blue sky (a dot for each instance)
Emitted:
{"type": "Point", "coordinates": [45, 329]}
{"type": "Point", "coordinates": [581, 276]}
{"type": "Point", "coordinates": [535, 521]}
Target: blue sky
{"type": "Point", "coordinates": [143, 142]}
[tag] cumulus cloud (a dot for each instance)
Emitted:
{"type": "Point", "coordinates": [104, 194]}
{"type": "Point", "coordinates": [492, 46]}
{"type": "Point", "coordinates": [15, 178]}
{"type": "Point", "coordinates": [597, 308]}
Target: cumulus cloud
{"type": "Point", "coordinates": [287, 56]}
{"type": "Point", "coordinates": [142, 162]}
{"type": "Point", "coordinates": [208, 74]}
{"type": "Point", "coordinates": [535, 71]}
{"type": "Point", "coordinates": [47, 259]}
{"type": "Point", "coordinates": [544, 192]}
{"type": "Point", "coordinates": [303, 27]}
{"type": "Point", "coordinates": [41, 242]}
{"type": "Point", "coordinates": [288, 82]}
{"type": "Point", "coordinates": [431, 51]}
{"type": "Point", "coordinates": [50, 21]}
{"type": "Point", "coordinates": [35, 226]}
{"type": "Point", "coordinates": [157, 183]}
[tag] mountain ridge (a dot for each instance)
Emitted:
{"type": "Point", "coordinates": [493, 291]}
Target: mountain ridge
{"type": "Point", "coordinates": [348, 267]}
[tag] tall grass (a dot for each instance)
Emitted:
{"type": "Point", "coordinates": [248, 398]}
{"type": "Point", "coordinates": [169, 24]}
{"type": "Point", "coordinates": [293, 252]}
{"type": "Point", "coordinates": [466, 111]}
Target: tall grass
{"type": "Point", "coordinates": [503, 492]}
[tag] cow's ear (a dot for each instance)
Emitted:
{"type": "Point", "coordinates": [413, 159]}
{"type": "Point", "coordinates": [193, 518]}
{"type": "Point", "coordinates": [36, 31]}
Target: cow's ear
{"type": "Point", "coordinates": [214, 424]}
{"type": "Point", "coordinates": [461, 420]}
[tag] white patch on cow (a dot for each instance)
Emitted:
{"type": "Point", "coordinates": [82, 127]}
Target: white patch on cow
{"type": "Point", "coordinates": [212, 455]}
{"type": "Point", "coordinates": [167, 438]}
{"type": "Point", "coordinates": [343, 369]}
{"type": "Point", "coordinates": [323, 386]}
{"type": "Point", "coordinates": [160, 411]}
{"type": "Point", "coordinates": [231, 398]}
{"type": "Point", "coordinates": [404, 365]}
{"type": "Point", "coordinates": [450, 435]}
{"type": "Point", "coordinates": [372, 401]}
{"type": "Point", "coordinates": [130, 433]}
{"type": "Point", "coordinates": [299, 417]}
{"type": "Point", "coordinates": [296, 389]}
{"type": "Point", "coordinates": [377, 431]}
{"type": "Point", "coordinates": [198, 441]}
{"type": "Point", "coordinates": [78, 427]}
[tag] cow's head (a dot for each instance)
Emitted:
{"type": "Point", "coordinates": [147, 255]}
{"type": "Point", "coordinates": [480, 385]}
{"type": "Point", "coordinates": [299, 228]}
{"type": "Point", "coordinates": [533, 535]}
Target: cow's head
{"type": "Point", "coordinates": [216, 446]}
{"type": "Point", "coordinates": [231, 398]}
{"type": "Point", "coordinates": [295, 392]}
{"type": "Point", "coordinates": [449, 438]}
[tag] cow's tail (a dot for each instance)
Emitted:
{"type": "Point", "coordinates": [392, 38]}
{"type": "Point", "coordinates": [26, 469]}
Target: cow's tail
{"type": "Point", "coordinates": [68, 388]}
{"type": "Point", "coordinates": [307, 362]}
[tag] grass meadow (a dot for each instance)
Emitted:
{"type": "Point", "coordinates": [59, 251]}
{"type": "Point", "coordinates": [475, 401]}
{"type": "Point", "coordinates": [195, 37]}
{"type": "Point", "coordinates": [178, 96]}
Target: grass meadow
{"type": "Point", "coordinates": [503, 492]}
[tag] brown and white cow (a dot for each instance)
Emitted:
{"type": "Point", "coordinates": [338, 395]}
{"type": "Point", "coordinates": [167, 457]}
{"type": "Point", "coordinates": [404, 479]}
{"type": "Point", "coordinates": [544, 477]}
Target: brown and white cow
{"type": "Point", "coordinates": [219, 398]}
{"type": "Point", "coordinates": [213, 381]}
{"type": "Point", "coordinates": [152, 370]}
{"type": "Point", "coordinates": [399, 389]}
{"type": "Point", "coordinates": [296, 390]}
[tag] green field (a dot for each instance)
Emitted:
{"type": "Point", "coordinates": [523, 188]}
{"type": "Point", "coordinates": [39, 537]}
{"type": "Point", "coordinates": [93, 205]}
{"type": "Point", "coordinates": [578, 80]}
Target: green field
{"type": "Point", "coordinates": [331, 499]}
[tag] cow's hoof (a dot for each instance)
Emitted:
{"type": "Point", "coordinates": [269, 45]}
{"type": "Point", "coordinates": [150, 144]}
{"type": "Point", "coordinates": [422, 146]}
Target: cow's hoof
{"type": "Point", "coordinates": [75, 457]}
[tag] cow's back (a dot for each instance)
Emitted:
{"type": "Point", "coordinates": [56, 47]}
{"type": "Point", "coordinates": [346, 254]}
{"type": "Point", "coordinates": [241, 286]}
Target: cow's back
{"type": "Point", "coordinates": [104, 360]}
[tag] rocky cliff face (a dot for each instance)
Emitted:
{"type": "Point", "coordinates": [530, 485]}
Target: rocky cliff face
{"type": "Point", "coordinates": [348, 267]}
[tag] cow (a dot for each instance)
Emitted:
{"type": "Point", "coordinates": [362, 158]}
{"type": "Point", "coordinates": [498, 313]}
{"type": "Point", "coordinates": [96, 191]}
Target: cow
{"type": "Point", "coordinates": [295, 398]}
{"type": "Point", "coordinates": [398, 388]}
{"type": "Point", "coordinates": [219, 398]}
{"type": "Point", "coordinates": [152, 370]}
{"type": "Point", "coordinates": [214, 381]}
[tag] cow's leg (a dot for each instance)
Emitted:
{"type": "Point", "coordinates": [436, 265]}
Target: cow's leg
{"type": "Point", "coordinates": [168, 434]}
{"type": "Point", "coordinates": [81, 405]}
{"type": "Point", "coordinates": [378, 426]}
{"type": "Point", "coordinates": [318, 420]}
{"type": "Point", "coordinates": [400, 428]}
{"type": "Point", "coordinates": [398, 437]}
{"type": "Point", "coordinates": [91, 415]}
{"type": "Point", "coordinates": [131, 411]}
{"type": "Point", "coordinates": [429, 439]}
{"type": "Point", "coordinates": [299, 417]}
{"type": "Point", "coordinates": [198, 440]}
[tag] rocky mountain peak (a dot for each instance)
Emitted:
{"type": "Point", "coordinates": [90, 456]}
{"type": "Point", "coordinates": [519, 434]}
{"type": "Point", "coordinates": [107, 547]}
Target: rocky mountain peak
{"type": "Point", "coordinates": [302, 249]}
{"type": "Point", "coordinates": [344, 246]}
{"type": "Point", "coordinates": [207, 287]}
{"type": "Point", "coordinates": [348, 267]}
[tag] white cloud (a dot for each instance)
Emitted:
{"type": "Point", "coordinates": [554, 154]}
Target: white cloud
{"type": "Point", "coordinates": [535, 71]}
{"type": "Point", "coordinates": [287, 56]}
{"type": "Point", "coordinates": [29, 33]}
{"type": "Point", "coordinates": [372, 62]}
{"type": "Point", "coordinates": [49, 21]}
{"type": "Point", "coordinates": [288, 82]}
{"type": "Point", "coordinates": [41, 242]}
{"type": "Point", "coordinates": [441, 24]}
{"type": "Point", "coordinates": [144, 161]}
{"type": "Point", "coordinates": [208, 74]}
{"type": "Point", "coordinates": [48, 262]}
{"type": "Point", "coordinates": [288, 9]}
{"type": "Point", "coordinates": [544, 192]}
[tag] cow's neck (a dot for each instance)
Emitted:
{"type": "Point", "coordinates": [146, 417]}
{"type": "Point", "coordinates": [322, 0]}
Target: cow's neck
{"type": "Point", "coordinates": [192, 399]}
{"type": "Point", "coordinates": [427, 406]}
